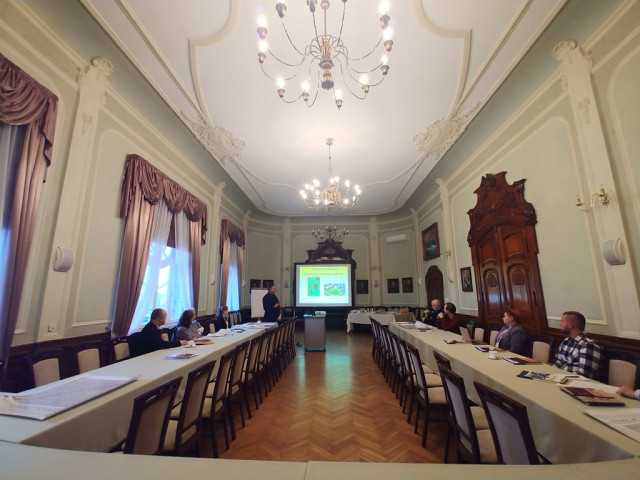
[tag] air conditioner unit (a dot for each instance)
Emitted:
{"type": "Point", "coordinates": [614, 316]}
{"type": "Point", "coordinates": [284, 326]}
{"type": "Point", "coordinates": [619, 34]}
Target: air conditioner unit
{"type": "Point", "coordinates": [396, 238]}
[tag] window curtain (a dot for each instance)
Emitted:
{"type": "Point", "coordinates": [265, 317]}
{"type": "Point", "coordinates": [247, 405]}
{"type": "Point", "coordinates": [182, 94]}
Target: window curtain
{"type": "Point", "coordinates": [159, 235]}
{"type": "Point", "coordinates": [143, 187]}
{"type": "Point", "coordinates": [229, 234]}
{"type": "Point", "coordinates": [23, 101]}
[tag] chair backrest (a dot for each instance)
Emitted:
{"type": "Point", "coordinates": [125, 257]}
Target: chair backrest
{"type": "Point", "coordinates": [461, 414]}
{"type": "Point", "coordinates": [119, 349]}
{"type": "Point", "coordinates": [464, 331]}
{"type": "Point", "coordinates": [441, 360]}
{"type": "Point", "coordinates": [222, 378]}
{"type": "Point", "coordinates": [44, 366]}
{"type": "Point", "coordinates": [492, 337]}
{"type": "Point", "coordinates": [193, 401]}
{"type": "Point", "coordinates": [510, 427]}
{"type": "Point", "coordinates": [414, 357]}
{"type": "Point", "coordinates": [623, 368]}
{"type": "Point", "coordinates": [149, 419]}
{"type": "Point", "coordinates": [167, 333]}
{"type": "Point", "coordinates": [235, 377]}
{"type": "Point", "coordinates": [478, 333]}
{"type": "Point", "coordinates": [87, 356]}
{"type": "Point", "coordinates": [255, 349]}
{"type": "Point", "coordinates": [541, 348]}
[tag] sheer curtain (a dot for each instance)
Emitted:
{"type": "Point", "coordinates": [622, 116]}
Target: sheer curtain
{"type": "Point", "coordinates": [161, 227]}
{"type": "Point", "coordinates": [233, 285]}
{"type": "Point", "coordinates": [183, 279]}
{"type": "Point", "coordinates": [11, 138]}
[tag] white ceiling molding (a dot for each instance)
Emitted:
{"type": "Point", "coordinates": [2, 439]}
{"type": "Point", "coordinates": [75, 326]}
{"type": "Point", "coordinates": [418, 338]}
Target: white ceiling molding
{"type": "Point", "coordinates": [438, 137]}
{"type": "Point", "coordinates": [219, 142]}
{"type": "Point", "coordinates": [448, 59]}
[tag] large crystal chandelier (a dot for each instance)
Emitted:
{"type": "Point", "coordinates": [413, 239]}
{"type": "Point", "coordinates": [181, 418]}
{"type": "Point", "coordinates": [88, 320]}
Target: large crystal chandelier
{"type": "Point", "coordinates": [332, 195]}
{"type": "Point", "coordinates": [326, 51]}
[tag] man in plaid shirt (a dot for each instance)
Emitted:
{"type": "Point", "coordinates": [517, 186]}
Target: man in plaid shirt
{"type": "Point", "coordinates": [577, 353]}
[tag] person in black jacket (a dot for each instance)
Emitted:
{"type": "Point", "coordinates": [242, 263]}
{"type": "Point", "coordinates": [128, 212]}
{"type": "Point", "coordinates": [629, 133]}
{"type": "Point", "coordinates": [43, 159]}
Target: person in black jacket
{"type": "Point", "coordinates": [271, 305]}
{"type": "Point", "coordinates": [149, 339]}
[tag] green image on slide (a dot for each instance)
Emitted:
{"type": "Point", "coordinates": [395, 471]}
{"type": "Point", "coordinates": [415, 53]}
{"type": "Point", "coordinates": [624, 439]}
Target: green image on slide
{"type": "Point", "coordinates": [313, 287]}
{"type": "Point", "coordinates": [334, 290]}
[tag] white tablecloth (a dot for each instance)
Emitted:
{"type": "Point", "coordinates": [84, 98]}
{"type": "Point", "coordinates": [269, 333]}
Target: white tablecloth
{"type": "Point", "coordinates": [99, 424]}
{"type": "Point", "coordinates": [363, 319]}
{"type": "Point", "coordinates": [562, 432]}
{"type": "Point", "coordinates": [384, 319]}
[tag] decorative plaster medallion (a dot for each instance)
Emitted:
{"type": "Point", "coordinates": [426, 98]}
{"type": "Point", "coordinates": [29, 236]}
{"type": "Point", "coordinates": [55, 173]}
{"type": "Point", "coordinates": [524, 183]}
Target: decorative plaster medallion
{"type": "Point", "coordinates": [220, 143]}
{"type": "Point", "coordinates": [94, 77]}
{"type": "Point", "coordinates": [438, 137]}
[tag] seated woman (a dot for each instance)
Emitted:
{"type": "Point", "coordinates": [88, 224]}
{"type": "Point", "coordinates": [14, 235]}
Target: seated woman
{"type": "Point", "coordinates": [512, 336]}
{"type": "Point", "coordinates": [188, 326]}
{"type": "Point", "coordinates": [221, 320]}
{"type": "Point", "coordinates": [449, 320]}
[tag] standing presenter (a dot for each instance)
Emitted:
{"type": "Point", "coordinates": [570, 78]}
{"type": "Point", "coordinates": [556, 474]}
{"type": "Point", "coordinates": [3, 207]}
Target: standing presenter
{"type": "Point", "coordinates": [271, 305]}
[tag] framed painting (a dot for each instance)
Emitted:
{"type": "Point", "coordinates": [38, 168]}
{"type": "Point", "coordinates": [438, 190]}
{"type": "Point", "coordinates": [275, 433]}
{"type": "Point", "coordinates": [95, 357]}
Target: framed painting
{"type": "Point", "coordinates": [254, 283]}
{"type": "Point", "coordinates": [393, 285]}
{"type": "Point", "coordinates": [362, 287]}
{"type": "Point", "coordinates": [407, 285]}
{"type": "Point", "coordinates": [430, 242]}
{"type": "Point", "coordinates": [267, 283]}
{"type": "Point", "coordinates": [465, 279]}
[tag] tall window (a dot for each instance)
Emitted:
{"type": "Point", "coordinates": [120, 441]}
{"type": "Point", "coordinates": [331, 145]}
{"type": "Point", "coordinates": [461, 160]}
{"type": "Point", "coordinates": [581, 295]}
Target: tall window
{"type": "Point", "coordinates": [233, 285]}
{"type": "Point", "coordinates": [167, 277]}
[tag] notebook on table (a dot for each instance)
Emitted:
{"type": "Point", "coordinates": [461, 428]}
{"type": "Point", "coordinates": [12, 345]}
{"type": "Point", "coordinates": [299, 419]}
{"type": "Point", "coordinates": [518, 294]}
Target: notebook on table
{"type": "Point", "coordinates": [593, 397]}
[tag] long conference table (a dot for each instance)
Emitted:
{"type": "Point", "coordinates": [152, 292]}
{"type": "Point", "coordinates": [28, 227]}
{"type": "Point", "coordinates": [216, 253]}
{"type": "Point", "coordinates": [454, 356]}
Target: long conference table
{"type": "Point", "coordinates": [68, 445]}
{"type": "Point", "coordinates": [97, 425]}
{"type": "Point", "coordinates": [383, 318]}
{"type": "Point", "coordinates": [563, 433]}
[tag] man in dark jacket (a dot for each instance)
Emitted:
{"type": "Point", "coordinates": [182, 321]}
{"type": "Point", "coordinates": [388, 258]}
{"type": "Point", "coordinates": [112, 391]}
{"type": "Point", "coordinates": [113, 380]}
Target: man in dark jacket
{"type": "Point", "coordinates": [149, 339]}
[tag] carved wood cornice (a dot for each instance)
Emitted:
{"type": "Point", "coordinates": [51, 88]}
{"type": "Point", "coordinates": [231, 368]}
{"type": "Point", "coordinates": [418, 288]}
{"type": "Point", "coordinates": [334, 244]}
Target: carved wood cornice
{"type": "Point", "coordinates": [499, 203]}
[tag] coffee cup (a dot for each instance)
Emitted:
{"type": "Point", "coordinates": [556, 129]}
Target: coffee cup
{"type": "Point", "coordinates": [191, 343]}
{"type": "Point", "coordinates": [493, 354]}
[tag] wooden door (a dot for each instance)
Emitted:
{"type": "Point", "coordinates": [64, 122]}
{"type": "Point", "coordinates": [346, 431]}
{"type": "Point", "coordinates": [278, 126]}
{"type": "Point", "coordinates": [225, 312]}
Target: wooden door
{"type": "Point", "coordinates": [434, 284]}
{"type": "Point", "coordinates": [504, 251]}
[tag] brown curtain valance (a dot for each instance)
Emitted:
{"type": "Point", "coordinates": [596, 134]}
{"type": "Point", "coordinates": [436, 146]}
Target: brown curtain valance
{"type": "Point", "coordinates": [233, 233]}
{"type": "Point", "coordinates": [23, 100]}
{"type": "Point", "coordinates": [156, 186]}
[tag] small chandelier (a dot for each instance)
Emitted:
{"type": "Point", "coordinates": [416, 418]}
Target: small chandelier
{"type": "Point", "coordinates": [316, 196]}
{"type": "Point", "coordinates": [325, 51]}
{"type": "Point", "coordinates": [329, 232]}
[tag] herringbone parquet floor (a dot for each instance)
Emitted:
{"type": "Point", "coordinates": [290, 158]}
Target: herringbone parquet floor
{"type": "Point", "coordinates": [333, 406]}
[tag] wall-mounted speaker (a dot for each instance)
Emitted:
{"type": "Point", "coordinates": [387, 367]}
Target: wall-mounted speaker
{"type": "Point", "coordinates": [63, 259]}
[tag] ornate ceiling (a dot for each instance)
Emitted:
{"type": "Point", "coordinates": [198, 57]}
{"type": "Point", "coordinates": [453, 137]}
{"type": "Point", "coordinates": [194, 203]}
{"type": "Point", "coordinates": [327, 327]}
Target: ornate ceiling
{"type": "Point", "coordinates": [448, 58]}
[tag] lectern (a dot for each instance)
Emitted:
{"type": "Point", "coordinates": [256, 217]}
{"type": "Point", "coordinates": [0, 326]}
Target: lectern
{"type": "Point", "coordinates": [314, 332]}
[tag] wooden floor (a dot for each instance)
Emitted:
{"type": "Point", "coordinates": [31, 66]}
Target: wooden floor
{"type": "Point", "coordinates": [333, 406]}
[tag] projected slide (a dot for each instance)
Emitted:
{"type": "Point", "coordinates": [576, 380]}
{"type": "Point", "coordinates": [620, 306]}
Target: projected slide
{"type": "Point", "coordinates": [323, 285]}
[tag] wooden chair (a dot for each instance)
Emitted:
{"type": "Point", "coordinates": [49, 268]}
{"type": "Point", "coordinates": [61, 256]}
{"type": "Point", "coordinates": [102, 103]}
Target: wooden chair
{"type": "Point", "coordinates": [87, 356]}
{"type": "Point", "coordinates": [249, 372]}
{"type": "Point", "coordinates": [215, 405]}
{"type": "Point", "coordinates": [44, 366]}
{"type": "Point", "coordinates": [477, 413]}
{"type": "Point", "coordinates": [541, 348]}
{"type": "Point", "coordinates": [119, 349]}
{"type": "Point", "coordinates": [510, 429]}
{"type": "Point", "coordinates": [493, 334]}
{"type": "Point", "coordinates": [474, 445]}
{"type": "Point", "coordinates": [149, 420]}
{"type": "Point", "coordinates": [622, 368]}
{"type": "Point", "coordinates": [432, 400]}
{"type": "Point", "coordinates": [167, 333]}
{"type": "Point", "coordinates": [478, 332]}
{"type": "Point", "coordinates": [234, 389]}
{"type": "Point", "coordinates": [184, 428]}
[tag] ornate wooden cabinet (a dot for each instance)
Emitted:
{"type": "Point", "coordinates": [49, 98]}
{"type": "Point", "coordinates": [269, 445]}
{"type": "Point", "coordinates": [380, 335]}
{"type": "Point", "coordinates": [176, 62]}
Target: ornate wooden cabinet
{"type": "Point", "coordinates": [504, 250]}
